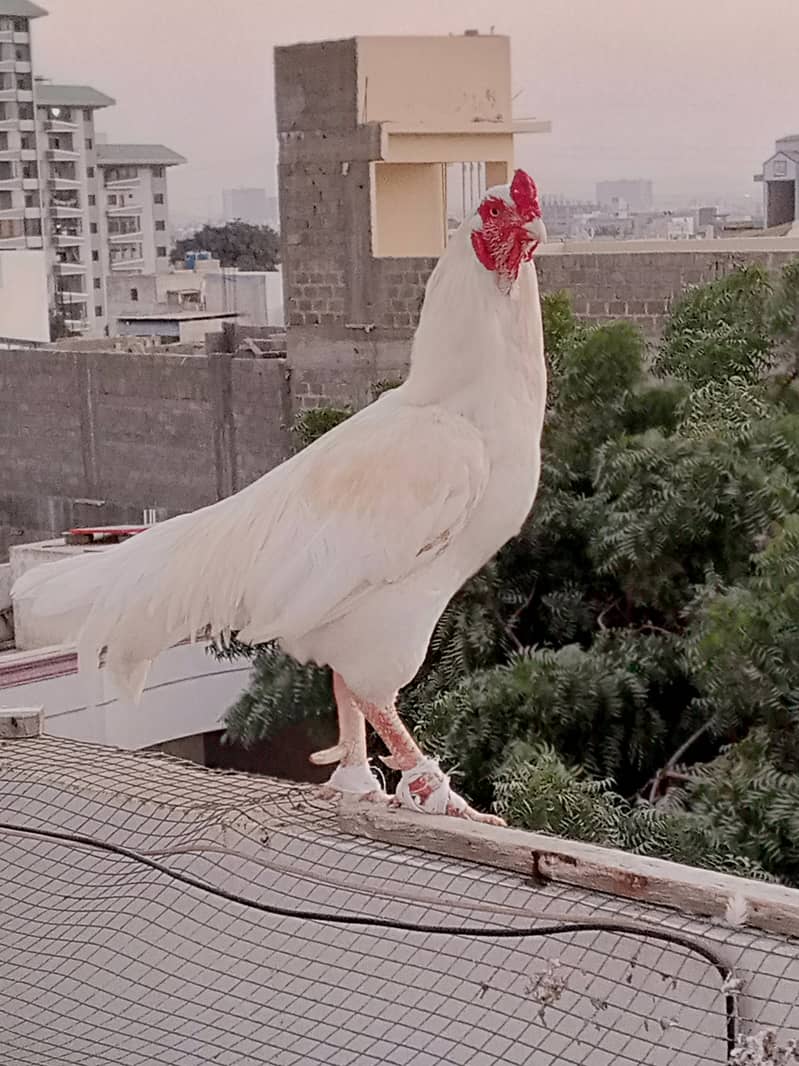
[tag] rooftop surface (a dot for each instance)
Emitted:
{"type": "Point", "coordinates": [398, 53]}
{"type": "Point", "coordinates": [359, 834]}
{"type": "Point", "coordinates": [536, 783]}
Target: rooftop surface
{"type": "Point", "coordinates": [141, 154]}
{"type": "Point", "coordinates": [234, 926]}
{"type": "Point", "coordinates": [21, 8]}
{"type": "Point", "coordinates": [49, 94]}
{"type": "Point", "coordinates": [171, 316]}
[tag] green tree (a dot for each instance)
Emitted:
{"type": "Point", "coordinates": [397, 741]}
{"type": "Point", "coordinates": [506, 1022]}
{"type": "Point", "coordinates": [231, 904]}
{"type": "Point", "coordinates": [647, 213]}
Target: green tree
{"type": "Point", "coordinates": [236, 244]}
{"type": "Point", "coordinates": [627, 669]}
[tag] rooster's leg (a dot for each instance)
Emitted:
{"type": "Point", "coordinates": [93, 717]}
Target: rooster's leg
{"type": "Point", "coordinates": [353, 773]}
{"type": "Point", "coordinates": [423, 786]}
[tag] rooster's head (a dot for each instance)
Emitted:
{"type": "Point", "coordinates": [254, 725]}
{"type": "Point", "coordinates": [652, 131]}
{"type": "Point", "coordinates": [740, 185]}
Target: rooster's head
{"type": "Point", "coordinates": [507, 228]}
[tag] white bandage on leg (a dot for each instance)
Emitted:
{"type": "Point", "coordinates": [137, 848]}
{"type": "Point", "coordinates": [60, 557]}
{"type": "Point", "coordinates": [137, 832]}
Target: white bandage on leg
{"type": "Point", "coordinates": [425, 788]}
{"type": "Point", "coordinates": [357, 779]}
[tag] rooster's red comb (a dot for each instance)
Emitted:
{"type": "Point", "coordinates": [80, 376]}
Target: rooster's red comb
{"type": "Point", "coordinates": [524, 194]}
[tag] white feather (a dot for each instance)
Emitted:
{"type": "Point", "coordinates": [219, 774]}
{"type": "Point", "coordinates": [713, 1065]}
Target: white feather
{"type": "Point", "coordinates": [348, 552]}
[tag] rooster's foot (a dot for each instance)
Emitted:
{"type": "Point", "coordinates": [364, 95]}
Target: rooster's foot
{"type": "Point", "coordinates": [357, 780]}
{"type": "Point", "coordinates": [426, 789]}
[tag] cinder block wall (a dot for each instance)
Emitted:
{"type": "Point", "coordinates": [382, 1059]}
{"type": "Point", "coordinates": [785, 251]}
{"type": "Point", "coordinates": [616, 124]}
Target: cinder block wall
{"type": "Point", "coordinates": [93, 438]}
{"type": "Point", "coordinates": [350, 317]}
{"type": "Point", "coordinates": [641, 286]}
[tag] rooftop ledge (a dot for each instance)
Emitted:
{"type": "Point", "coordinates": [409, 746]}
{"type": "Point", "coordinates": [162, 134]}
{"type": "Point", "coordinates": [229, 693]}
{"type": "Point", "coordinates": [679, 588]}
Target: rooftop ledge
{"type": "Point", "coordinates": [520, 125]}
{"type": "Point", "coordinates": [536, 857]}
{"type": "Point", "coordinates": [545, 859]}
{"type": "Point", "coordinates": [698, 244]}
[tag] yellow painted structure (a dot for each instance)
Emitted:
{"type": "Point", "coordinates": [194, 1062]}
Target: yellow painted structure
{"type": "Point", "coordinates": [438, 101]}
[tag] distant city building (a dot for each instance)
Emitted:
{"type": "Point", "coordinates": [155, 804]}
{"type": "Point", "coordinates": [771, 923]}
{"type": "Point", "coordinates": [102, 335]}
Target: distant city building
{"type": "Point", "coordinates": [669, 226]}
{"type": "Point", "coordinates": [253, 297]}
{"type": "Point", "coordinates": [136, 204]}
{"type": "Point", "coordinates": [86, 205]}
{"type": "Point", "coordinates": [780, 178]}
{"type": "Point", "coordinates": [250, 205]}
{"type": "Point", "coordinates": [565, 218]}
{"type": "Point", "coordinates": [636, 194]}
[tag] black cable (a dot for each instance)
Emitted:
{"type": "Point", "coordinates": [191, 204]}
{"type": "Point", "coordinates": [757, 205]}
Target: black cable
{"type": "Point", "coordinates": [479, 932]}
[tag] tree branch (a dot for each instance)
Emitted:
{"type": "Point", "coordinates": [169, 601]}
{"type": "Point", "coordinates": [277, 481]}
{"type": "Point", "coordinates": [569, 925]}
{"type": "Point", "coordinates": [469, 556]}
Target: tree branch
{"type": "Point", "coordinates": [668, 771]}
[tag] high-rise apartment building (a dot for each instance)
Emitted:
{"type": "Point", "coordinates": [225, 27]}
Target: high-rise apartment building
{"type": "Point", "coordinates": [136, 205]}
{"type": "Point", "coordinates": [93, 207]}
{"type": "Point", "coordinates": [20, 188]}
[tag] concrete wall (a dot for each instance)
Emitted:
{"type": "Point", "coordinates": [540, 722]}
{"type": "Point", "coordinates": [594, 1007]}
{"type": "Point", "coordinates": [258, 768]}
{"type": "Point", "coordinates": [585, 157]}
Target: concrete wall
{"type": "Point", "coordinates": [89, 438]}
{"type": "Point", "coordinates": [245, 292]}
{"type": "Point", "coordinates": [336, 364]}
{"type": "Point", "coordinates": [350, 316]}
{"type": "Point", "coordinates": [639, 281]}
{"type": "Point", "coordinates": [187, 692]}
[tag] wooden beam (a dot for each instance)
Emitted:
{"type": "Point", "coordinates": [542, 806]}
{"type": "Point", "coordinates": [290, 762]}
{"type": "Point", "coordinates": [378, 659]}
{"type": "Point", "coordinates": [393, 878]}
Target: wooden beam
{"type": "Point", "coordinates": [20, 723]}
{"type": "Point", "coordinates": [543, 859]}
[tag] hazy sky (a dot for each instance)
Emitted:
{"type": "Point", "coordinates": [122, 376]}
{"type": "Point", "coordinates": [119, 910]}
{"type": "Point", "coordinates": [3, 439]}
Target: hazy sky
{"type": "Point", "coordinates": [691, 93]}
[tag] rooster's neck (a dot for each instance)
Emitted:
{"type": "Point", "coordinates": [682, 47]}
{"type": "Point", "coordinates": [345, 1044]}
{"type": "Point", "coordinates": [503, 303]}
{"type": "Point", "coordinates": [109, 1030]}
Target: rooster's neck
{"type": "Point", "coordinates": [477, 349]}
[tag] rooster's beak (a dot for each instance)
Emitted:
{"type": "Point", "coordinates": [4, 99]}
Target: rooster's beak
{"type": "Point", "coordinates": [536, 230]}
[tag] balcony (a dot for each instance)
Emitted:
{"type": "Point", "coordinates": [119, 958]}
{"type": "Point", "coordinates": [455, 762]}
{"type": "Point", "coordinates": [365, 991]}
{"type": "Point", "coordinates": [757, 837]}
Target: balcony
{"type": "Point", "coordinates": [67, 204]}
{"type": "Point", "coordinates": [6, 36]}
{"type": "Point", "coordinates": [9, 153]}
{"type": "Point", "coordinates": [123, 183]}
{"type": "Point", "coordinates": [7, 66]}
{"type": "Point", "coordinates": [26, 125]}
{"type": "Point", "coordinates": [134, 237]}
{"type": "Point", "coordinates": [21, 38]}
{"type": "Point", "coordinates": [63, 296]}
{"type": "Point", "coordinates": [59, 125]}
{"type": "Point", "coordinates": [69, 269]}
{"type": "Point", "coordinates": [25, 96]}
{"type": "Point", "coordinates": [32, 212]}
{"type": "Point", "coordinates": [61, 155]}
{"type": "Point", "coordinates": [128, 263]}
{"type": "Point", "coordinates": [12, 212]}
{"type": "Point", "coordinates": [13, 242]}
{"type": "Point", "coordinates": [76, 325]}
{"type": "Point", "coordinates": [9, 183]}
{"type": "Point", "coordinates": [7, 94]}
{"type": "Point", "coordinates": [23, 66]}
{"type": "Point", "coordinates": [64, 210]}
{"type": "Point", "coordinates": [66, 240]}
{"type": "Point", "coordinates": [55, 181]}
{"type": "Point", "coordinates": [121, 210]}
{"type": "Point", "coordinates": [30, 184]}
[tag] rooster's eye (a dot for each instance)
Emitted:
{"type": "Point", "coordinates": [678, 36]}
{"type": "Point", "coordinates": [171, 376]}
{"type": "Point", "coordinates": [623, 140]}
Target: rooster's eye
{"type": "Point", "coordinates": [494, 212]}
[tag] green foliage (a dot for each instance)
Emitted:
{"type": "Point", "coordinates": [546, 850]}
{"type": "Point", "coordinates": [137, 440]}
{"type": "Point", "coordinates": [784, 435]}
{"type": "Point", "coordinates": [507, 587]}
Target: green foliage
{"type": "Point", "coordinates": [281, 692]}
{"type": "Point", "coordinates": [315, 422]}
{"type": "Point", "coordinates": [536, 789]}
{"type": "Point", "coordinates": [236, 244]}
{"type": "Point", "coordinates": [720, 330]}
{"type": "Point", "coordinates": [561, 326]}
{"type": "Point", "coordinates": [626, 670]}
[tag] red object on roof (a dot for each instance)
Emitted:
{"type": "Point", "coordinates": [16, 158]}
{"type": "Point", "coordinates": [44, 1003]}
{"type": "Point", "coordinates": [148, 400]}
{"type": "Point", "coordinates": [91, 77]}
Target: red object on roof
{"type": "Point", "coordinates": [100, 534]}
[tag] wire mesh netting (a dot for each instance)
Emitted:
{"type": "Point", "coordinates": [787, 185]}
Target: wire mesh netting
{"type": "Point", "coordinates": [170, 950]}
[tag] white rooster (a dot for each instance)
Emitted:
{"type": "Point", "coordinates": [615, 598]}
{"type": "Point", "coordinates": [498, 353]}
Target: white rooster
{"type": "Point", "coordinates": [348, 553]}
